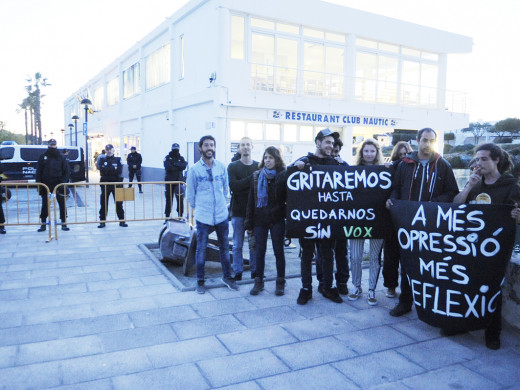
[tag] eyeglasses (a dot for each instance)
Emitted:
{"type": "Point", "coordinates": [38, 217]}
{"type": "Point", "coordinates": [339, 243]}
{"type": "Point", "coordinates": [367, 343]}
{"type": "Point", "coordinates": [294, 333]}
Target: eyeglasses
{"type": "Point", "coordinates": [210, 174]}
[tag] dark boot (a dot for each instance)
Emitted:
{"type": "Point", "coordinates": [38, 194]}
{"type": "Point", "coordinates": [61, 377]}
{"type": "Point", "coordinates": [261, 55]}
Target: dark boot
{"type": "Point", "coordinates": [259, 286]}
{"type": "Point", "coordinates": [280, 286]}
{"type": "Point", "coordinates": [43, 227]}
{"type": "Point", "coordinates": [304, 297]}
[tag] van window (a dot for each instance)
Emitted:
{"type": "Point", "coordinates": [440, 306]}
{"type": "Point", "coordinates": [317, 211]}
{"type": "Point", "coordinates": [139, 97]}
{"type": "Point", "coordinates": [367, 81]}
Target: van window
{"type": "Point", "coordinates": [6, 153]}
{"type": "Point", "coordinates": [72, 154]}
{"type": "Point", "coordinates": [31, 154]}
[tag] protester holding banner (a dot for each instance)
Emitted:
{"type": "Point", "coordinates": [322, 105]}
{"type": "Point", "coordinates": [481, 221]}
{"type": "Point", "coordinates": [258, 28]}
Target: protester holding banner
{"type": "Point", "coordinates": [368, 154]}
{"type": "Point", "coordinates": [490, 182]}
{"type": "Point", "coordinates": [391, 245]}
{"type": "Point", "coordinates": [266, 213]}
{"type": "Point", "coordinates": [322, 156]}
{"type": "Point", "coordinates": [421, 176]}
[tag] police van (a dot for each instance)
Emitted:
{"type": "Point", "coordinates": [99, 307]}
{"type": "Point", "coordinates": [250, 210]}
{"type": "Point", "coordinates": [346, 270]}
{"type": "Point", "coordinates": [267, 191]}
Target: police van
{"type": "Point", "coordinates": [19, 162]}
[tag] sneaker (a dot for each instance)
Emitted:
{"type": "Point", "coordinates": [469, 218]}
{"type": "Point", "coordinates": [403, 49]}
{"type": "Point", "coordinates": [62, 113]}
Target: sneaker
{"type": "Point", "coordinates": [259, 286]}
{"type": "Point", "coordinates": [230, 283]}
{"type": "Point", "coordinates": [400, 309]}
{"type": "Point", "coordinates": [492, 340]}
{"type": "Point", "coordinates": [372, 301]}
{"type": "Point", "coordinates": [237, 277]}
{"type": "Point", "coordinates": [65, 228]}
{"type": "Point", "coordinates": [123, 224]}
{"type": "Point", "coordinates": [201, 288]}
{"type": "Point", "coordinates": [342, 289]}
{"type": "Point", "coordinates": [101, 225]}
{"type": "Point", "coordinates": [2, 229]}
{"type": "Point", "coordinates": [280, 287]}
{"type": "Point", "coordinates": [390, 292]}
{"type": "Point", "coordinates": [332, 294]}
{"type": "Point", "coordinates": [304, 297]}
{"type": "Point", "coordinates": [354, 295]}
{"type": "Point", "coordinates": [516, 249]}
{"type": "Point", "coordinates": [42, 228]}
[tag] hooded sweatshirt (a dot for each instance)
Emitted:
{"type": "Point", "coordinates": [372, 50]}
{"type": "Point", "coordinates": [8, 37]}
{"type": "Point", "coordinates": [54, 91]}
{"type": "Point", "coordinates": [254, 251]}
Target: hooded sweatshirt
{"type": "Point", "coordinates": [504, 191]}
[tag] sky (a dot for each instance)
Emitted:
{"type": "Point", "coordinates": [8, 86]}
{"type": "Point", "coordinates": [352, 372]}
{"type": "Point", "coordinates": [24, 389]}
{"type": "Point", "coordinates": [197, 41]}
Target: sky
{"type": "Point", "coordinates": [70, 41]}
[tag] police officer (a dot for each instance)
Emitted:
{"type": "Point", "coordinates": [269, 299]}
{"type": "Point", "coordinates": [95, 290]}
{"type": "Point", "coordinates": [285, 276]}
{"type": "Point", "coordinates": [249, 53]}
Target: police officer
{"type": "Point", "coordinates": [53, 169]}
{"type": "Point", "coordinates": [134, 161]}
{"type": "Point", "coordinates": [110, 169]}
{"type": "Point", "coordinates": [174, 165]}
{"type": "Point", "coordinates": [2, 218]}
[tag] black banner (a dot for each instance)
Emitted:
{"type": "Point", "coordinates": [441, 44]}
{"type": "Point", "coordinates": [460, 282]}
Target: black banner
{"type": "Point", "coordinates": [338, 201]}
{"type": "Point", "coordinates": [455, 256]}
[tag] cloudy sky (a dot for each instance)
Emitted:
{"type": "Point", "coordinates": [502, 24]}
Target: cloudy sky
{"type": "Point", "coordinates": [70, 41]}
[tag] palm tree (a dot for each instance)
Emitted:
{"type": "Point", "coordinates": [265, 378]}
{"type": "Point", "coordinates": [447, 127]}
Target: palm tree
{"type": "Point", "coordinates": [34, 90]}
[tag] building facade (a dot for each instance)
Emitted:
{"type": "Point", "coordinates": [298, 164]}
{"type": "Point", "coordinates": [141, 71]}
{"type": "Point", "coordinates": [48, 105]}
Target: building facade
{"type": "Point", "coordinates": [235, 68]}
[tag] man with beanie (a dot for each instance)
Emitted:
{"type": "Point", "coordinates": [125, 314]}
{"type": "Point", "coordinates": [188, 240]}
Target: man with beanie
{"type": "Point", "coordinates": [110, 168]}
{"type": "Point", "coordinates": [174, 165]}
{"type": "Point", "coordinates": [134, 161]}
{"type": "Point", "coordinates": [52, 169]}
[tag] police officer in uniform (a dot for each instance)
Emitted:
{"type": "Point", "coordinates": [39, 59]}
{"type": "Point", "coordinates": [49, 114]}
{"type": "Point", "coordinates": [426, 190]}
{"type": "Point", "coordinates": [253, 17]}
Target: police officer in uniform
{"type": "Point", "coordinates": [174, 165]}
{"type": "Point", "coordinates": [134, 161]}
{"type": "Point", "coordinates": [2, 218]}
{"type": "Point", "coordinates": [110, 168]}
{"type": "Point", "coordinates": [53, 169]}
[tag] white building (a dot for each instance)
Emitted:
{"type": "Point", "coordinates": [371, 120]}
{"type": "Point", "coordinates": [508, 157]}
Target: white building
{"type": "Point", "coordinates": [276, 71]}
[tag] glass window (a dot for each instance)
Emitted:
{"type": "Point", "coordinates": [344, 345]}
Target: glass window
{"type": "Point", "coordinates": [366, 43]}
{"type": "Point", "coordinates": [314, 68]}
{"type": "Point", "coordinates": [290, 133]}
{"type": "Point", "coordinates": [310, 32]}
{"type": "Point", "coordinates": [410, 76]}
{"type": "Point", "coordinates": [113, 91]}
{"type": "Point", "coordinates": [262, 23]}
{"type": "Point", "coordinates": [287, 65]}
{"type": "Point", "coordinates": [237, 130]}
{"type": "Point", "coordinates": [262, 56]}
{"type": "Point", "coordinates": [255, 131]}
{"type": "Point", "coordinates": [288, 28]}
{"type": "Point", "coordinates": [335, 37]}
{"type": "Point", "coordinates": [334, 68]}
{"type": "Point", "coordinates": [6, 153]}
{"type": "Point", "coordinates": [430, 56]}
{"type": "Point", "coordinates": [388, 47]}
{"type": "Point", "coordinates": [182, 57]}
{"type": "Point", "coordinates": [237, 37]}
{"type": "Point", "coordinates": [387, 79]}
{"type": "Point", "coordinates": [131, 81]}
{"type": "Point", "coordinates": [272, 132]}
{"type": "Point", "coordinates": [158, 67]}
{"type": "Point", "coordinates": [306, 133]}
{"type": "Point", "coordinates": [366, 71]}
{"type": "Point", "coordinates": [429, 75]}
{"type": "Point", "coordinates": [99, 98]}
{"type": "Point", "coordinates": [406, 51]}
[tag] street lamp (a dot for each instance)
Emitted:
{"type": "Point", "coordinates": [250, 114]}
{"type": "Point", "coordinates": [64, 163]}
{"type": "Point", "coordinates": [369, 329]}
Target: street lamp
{"type": "Point", "coordinates": [70, 133]}
{"type": "Point", "coordinates": [63, 136]}
{"type": "Point", "coordinates": [75, 118]}
{"type": "Point", "coordinates": [87, 103]}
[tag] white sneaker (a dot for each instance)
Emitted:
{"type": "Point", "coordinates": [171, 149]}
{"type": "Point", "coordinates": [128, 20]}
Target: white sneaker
{"type": "Point", "coordinates": [355, 294]}
{"type": "Point", "coordinates": [372, 301]}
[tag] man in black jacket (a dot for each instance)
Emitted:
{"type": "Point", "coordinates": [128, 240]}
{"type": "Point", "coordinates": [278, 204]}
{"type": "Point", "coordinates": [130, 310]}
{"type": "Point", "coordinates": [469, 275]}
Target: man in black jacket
{"type": "Point", "coordinates": [426, 177]}
{"type": "Point", "coordinates": [2, 218]}
{"type": "Point", "coordinates": [52, 169]}
{"type": "Point", "coordinates": [322, 156]}
{"type": "Point", "coordinates": [174, 165]}
{"type": "Point", "coordinates": [134, 161]}
{"type": "Point", "coordinates": [110, 169]}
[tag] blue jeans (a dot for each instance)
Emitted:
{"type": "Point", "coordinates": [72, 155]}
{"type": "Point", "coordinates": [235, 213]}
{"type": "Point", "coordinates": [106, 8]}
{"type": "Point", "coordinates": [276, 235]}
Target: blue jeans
{"type": "Point", "coordinates": [238, 244]}
{"type": "Point", "coordinates": [203, 231]}
{"type": "Point", "coordinates": [277, 239]}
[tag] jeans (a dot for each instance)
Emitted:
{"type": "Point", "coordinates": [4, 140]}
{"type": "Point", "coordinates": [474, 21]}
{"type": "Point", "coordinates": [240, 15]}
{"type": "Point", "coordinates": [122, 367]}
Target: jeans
{"type": "Point", "coordinates": [203, 231]}
{"type": "Point", "coordinates": [327, 262]}
{"type": "Point", "coordinates": [238, 244]}
{"type": "Point", "coordinates": [342, 270]}
{"type": "Point", "coordinates": [277, 239]}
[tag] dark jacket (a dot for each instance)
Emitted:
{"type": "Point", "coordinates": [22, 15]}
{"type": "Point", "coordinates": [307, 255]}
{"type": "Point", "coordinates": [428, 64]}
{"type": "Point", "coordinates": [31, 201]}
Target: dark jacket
{"type": "Point", "coordinates": [52, 169]}
{"type": "Point", "coordinates": [239, 176]}
{"type": "Point", "coordinates": [504, 191]}
{"type": "Point", "coordinates": [275, 209]}
{"type": "Point", "coordinates": [174, 164]}
{"type": "Point", "coordinates": [434, 183]}
{"type": "Point", "coordinates": [134, 159]}
{"type": "Point", "coordinates": [110, 169]}
{"type": "Point", "coordinates": [312, 159]}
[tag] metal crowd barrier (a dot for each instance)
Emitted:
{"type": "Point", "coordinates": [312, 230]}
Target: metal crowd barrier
{"type": "Point", "coordinates": [84, 202]}
{"type": "Point", "coordinates": [24, 206]}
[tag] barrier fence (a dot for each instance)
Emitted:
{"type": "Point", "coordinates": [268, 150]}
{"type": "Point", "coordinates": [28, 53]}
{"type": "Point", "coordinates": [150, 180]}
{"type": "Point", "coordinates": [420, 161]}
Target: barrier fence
{"type": "Point", "coordinates": [83, 202]}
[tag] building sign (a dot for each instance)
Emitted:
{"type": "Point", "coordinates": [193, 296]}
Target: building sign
{"type": "Point", "coordinates": [325, 201]}
{"type": "Point", "coordinates": [333, 119]}
{"type": "Point", "coordinates": [455, 258]}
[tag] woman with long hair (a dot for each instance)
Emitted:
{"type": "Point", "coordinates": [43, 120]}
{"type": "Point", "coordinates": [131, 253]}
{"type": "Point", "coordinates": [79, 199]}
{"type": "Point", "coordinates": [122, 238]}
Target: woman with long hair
{"type": "Point", "coordinates": [266, 213]}
{"type": "Point", "coordinates": [368, 154]}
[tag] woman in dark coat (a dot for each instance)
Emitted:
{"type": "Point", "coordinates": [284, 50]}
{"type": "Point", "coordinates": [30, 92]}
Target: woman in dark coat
{"type": "Point", "coordinates": [266, 213]}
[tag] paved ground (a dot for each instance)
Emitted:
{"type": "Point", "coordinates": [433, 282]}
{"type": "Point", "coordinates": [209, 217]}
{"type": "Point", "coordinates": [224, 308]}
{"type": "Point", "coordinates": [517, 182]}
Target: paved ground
{"type": "Point", "coordinates": [93, 311]}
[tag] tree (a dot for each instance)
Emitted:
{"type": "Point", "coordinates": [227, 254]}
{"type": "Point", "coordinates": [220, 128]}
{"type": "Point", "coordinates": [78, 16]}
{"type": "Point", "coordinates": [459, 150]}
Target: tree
{"type": "Point", "coordinates": [478, 129]}
{"type": "Point", "coordinates": [35, 90]}
{"type": "Point", "coordinates": [509, 125]}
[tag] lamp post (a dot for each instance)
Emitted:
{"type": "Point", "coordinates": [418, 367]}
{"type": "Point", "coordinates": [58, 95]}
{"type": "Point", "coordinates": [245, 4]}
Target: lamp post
{"type": "Point", "coordinates": [75, 118]}
{"type": "Point", "coordinates": [63, 136]}
{"type": "Point", "coordinates": [70, 133]}
{"type": "Point", "coordinates": [87, 103]}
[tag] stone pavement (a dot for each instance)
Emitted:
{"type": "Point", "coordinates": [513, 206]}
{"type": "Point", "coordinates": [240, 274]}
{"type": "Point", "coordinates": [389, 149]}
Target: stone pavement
{"type": "Point", "coordinates": [92, 311]}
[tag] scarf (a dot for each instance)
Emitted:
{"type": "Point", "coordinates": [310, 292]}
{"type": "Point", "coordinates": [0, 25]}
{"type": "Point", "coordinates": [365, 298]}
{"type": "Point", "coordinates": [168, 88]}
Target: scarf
{"type": "Point", "coordinates": [262, 186]}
